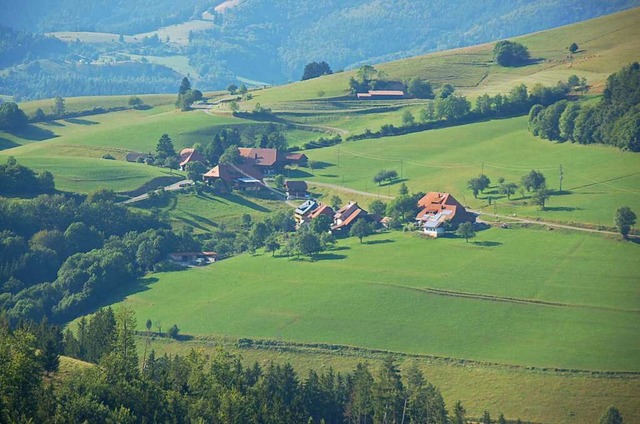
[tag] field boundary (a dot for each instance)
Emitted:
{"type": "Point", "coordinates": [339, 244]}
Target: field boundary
{"type": "Point", "coordinates": [503, 299]}
{"type": "Point", "coordinates": [369, 353]}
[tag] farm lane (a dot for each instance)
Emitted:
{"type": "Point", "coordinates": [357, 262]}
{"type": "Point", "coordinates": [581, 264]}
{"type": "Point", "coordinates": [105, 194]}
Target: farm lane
{"type": "Point", "coordinates": [350, 190]}
{"type": "Point", "coordinates": [173, 187]}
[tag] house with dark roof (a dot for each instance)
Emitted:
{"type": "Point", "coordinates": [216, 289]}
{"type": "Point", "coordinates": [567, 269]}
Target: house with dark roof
{"type": "Point", "coordinates": [302, 212]}
{"type": "Point", "coordinates": [240, 177]}
{"type": "Point", "coordinates": [266, 160]}
{"type": "Point", "coordinates": [299, 159]}
{"type": "Point", "coordinates": [438, 211]}
{"type": "Point", "coordinates": [296, 189]}
{"type": "Point", "coordinates": [347, 215]}
{"type": "Point", "coordinates": [137, 157]}
{"type": "Point", "coordinates": [190, 155]}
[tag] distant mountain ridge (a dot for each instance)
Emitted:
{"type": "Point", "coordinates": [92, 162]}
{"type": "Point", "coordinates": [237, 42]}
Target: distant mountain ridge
{"type": "Point", "coordinates": [272, 40]}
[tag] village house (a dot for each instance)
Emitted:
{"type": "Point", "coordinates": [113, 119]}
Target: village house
{"type": "Point", "coordinates": [268, 161]}
{"type": "Point", "coordinates": [296, 189]}
{"type": "Point", "coordinates": [302, 212]}
{"type": "Point", "coordinates": [299, 159]}
{"type": "Point", "coordinates": [239, 177]}
{"type": "Point", "coordinates": [190, 155]}
{"type": "Point", "coordinates": [440, 210]}
{"type": "Point", "coordinates": [347, 215]}
{"type": "Point", "coordinates": [381, 95]}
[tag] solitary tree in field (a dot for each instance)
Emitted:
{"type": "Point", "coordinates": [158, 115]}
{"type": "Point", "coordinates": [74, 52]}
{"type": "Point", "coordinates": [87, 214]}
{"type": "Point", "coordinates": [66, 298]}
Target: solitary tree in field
{"type": "Point", "coordinates": [509, 53]}
{"type": "Point", "coordinates": [611, 416]}
{"type": "Point", "coordinates": [185, 86]}
{"type": "Point", "coordinates": [360, 229]}
{"type": "Point", "coordinates": [625, 219]}
{"type": "Point", "coordinates": [573, 48]}
{"type": "Point", "coordinates": [466, 230]}
{"type": "Point", "coordinates": [541, 196]}
{"type": "Point", "coordinates": [232, 89]}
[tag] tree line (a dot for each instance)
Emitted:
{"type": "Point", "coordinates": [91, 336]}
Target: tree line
{"type": "Point", "coordinates": [449, 108]}
{"type": "Point", "coordinates": [199, 387]}
{"type": "Point", "coordinates": [614, 120]}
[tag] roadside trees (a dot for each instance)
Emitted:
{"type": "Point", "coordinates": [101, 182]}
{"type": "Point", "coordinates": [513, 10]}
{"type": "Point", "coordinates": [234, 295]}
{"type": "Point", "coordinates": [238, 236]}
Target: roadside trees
{"type": "Point", "coordinates": [625, 218]}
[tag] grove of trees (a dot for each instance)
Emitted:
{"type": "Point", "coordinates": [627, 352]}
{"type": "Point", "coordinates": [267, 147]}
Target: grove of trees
{"type": "Point", "coordinates": [510, 53]}
{"type": "Point", "coordinates": [315, 70]}
{"type": "Point", "coordinates": [614, 120]}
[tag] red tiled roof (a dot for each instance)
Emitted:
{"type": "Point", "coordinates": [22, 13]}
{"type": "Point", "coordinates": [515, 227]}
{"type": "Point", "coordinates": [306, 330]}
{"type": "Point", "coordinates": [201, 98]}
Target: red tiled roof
{"type": "Point", "coordinates": [322, 210]}
{"type": "Point", "coordinates": [434, 202]}
{"type": "Point", "coordinates": [296, 156]}
{"type": "Point", "coordinates": [190, 155]}
{"type": "Point", "coordinates": [229, 172]}
{"type": "Point", "coordinates": [261, 156]}
{"type": "Point", "coordinates": [348, 213]}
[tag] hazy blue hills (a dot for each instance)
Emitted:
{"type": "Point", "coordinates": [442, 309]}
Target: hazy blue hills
{"type": "Point", "coordinates": [261, 40]}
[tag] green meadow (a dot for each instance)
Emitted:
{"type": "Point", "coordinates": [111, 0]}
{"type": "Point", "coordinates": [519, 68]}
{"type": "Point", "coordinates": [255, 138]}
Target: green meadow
{"type": "Point", "coordinates": [525, 297]}
{"type": "Point", "coordinates": [597, 179]}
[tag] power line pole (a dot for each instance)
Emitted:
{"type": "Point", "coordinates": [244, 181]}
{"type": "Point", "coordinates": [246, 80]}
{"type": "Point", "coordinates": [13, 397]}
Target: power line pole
{"type": "Point", "coordinates": [561, 177]}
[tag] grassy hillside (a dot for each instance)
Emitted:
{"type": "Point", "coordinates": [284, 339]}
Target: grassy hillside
{"type": "Point", "coordinates": [384, 295]}
{"type": "Point", "coordinates": [598, 179]}
{"type": "Point", "coordinates": [606, 44]}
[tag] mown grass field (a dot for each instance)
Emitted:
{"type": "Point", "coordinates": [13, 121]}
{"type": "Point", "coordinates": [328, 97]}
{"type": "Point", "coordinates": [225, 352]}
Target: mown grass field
{"type": "Point", "coordinates": [534, 396]}
{"type": "Point", "coordinates": [206, 212]}
{"type": "Point", "coordinates": [598, 179]}
{"type": "Point", "coordinates": [606, 44]}
{"type": "Point", "coordinates": [377, 295]}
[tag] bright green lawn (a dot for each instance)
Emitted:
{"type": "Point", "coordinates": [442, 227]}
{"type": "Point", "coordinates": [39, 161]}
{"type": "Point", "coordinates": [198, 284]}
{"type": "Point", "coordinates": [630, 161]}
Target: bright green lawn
{"type": "Point", "coordinates": [365, 295]}
{"type": "Point", "coordinates": [599, 178]}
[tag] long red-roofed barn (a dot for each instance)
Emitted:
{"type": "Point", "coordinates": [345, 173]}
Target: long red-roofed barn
{"type": "Point", "coordinates": [266, 160]}
{"type": "Point", "coordinates": [440, 208]}
{"type": "Point", "coordinates": [242, 177]}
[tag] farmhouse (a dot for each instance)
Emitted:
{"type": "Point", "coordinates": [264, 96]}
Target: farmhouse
{"type": "Point", "coordinates": [381, 95]}
{"type": "Point", "coordinates": [267, 161]}
{"type": "Point", "coordinates": [302, 212]}
{"type": "Point", "coordinates": [299, 159]}
{"type": "Point", "coordinates": [239, 177]}
{"type": "Point", "coordinates": [296, 189]}
{"type": "Point", "coordinates": [438, 210]}
{"type": "Point", "coordinates": [347, 215]}
{"type": "Point", "coordinates": [137, 157]}
{"type": "Point", "coordinates": [190, 155]}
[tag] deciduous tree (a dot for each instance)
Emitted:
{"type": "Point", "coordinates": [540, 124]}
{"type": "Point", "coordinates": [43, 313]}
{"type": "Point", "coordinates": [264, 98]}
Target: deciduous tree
{"type": "Point", "coordinates": [625, 218]}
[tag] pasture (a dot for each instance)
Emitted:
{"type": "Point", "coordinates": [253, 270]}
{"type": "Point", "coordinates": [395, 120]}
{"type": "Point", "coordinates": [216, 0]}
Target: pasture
{"type": "Point", "coordinates": [524, 297]}
{"type": "Point", "coordinates": [597, 179]}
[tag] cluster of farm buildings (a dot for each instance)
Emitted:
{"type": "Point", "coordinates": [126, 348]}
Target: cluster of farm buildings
{"type": "Point", "coordinates": [437, 210]}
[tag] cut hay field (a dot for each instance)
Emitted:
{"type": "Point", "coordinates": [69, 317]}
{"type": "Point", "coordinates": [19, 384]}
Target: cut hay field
{"type": "Point", "coordinates": [206, 212]}
{"type": "Point", "coordinates": [525, 297]}
{"type": "Point", "coordinates": [606, 44]}
{"type": "Point", "coordinates": [597, 179]}
{"type": "Point", "coordinates": [540, 397]}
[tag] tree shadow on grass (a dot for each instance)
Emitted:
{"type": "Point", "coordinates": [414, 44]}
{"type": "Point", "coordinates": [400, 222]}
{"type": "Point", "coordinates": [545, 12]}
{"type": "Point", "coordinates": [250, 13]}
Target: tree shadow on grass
{"type": "Point", "coordinates": [561, 208]}
{"type": "Point", "coordinates": [202, 220]}
{"type": "Point", "coordinates": [384, 241]}
{"type": "Point", "coordinates": [297, 173]}
{"type": "Point", "coordinates": [7, 144]}
{"type": "Point", "coordinates": [321, 165]}
{"type": "Point", "coordinates": [329, 175]}
{"type": "Point", "coordinates": [327, 256]}
{"type": "Point", "coordinates": [487, 243]}
{"type": "Point", "coordinates": [245, 202]}
{"type": "Point", "coordinates": [191, 222]}
{"type": "Point", "coordinates": [33, 133]}
{"type": "Point", "coordinates": [79, 121]}
{"type": "Point", "coordinates": [394, 182]}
